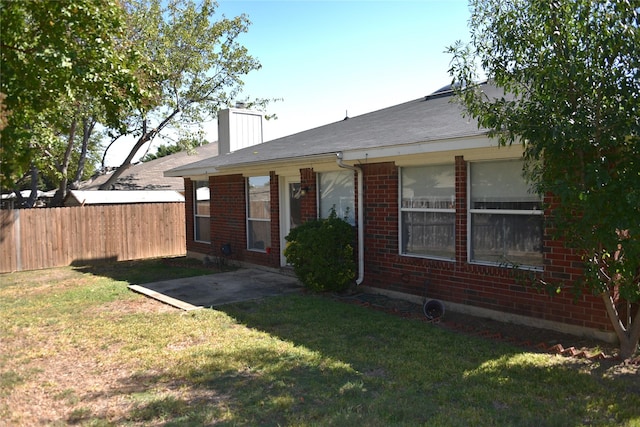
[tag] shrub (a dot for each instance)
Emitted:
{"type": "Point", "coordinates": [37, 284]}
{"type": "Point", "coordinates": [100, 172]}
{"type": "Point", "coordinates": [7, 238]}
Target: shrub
{"type": "Point", "coordinates": [321, 252]}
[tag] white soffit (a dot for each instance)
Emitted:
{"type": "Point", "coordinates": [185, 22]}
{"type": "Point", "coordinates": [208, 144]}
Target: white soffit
{"type": "Point", "coordinates": [439, 146]}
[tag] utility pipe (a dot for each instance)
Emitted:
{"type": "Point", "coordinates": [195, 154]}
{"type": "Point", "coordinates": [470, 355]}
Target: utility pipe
{"type": "Point", "coordinates": [358, 170]}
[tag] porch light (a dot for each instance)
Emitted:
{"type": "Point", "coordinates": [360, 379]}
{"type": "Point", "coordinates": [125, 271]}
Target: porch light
{"type": "Point", "coordinates": [304, 191]}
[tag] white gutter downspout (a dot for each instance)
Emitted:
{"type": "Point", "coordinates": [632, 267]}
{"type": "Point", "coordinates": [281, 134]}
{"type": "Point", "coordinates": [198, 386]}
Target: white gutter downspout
{"type": "Point", "coordinates": [360, 278]}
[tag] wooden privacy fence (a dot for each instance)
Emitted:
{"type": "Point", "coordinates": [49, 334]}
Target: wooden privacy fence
{"type": "Point", "coordinates": [32, 239]}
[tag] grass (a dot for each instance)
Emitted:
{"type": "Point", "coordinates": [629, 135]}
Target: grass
{"type": "Point", "coordinates": [90, 352]}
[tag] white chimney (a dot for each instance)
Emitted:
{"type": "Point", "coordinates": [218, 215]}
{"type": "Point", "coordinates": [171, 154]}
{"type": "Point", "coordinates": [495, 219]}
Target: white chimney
{"type": "Point", "coordinates": [238, 128]}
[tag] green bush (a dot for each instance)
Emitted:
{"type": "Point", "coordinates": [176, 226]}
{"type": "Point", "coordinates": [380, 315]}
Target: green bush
{"type": "Point", "coordinates": [321, 252]}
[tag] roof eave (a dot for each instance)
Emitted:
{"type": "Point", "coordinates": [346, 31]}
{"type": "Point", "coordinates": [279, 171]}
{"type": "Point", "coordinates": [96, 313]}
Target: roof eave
{"type": "Point", "coordinates": [454, 143]}
{"type": "Point", "coordinates": [185, 172]}
{"type": "Point", "coordinates": [241, 167]}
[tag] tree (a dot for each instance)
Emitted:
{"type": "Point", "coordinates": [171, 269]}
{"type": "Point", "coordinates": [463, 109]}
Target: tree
{"type": "Point", "coordinates": [163, 150]}
{"type": "Point", "coordinates": [571, 69]}
{"type": "Point", "coordinates": [62, 63]}
{"type": "Point", "coordinates": [200, 64]}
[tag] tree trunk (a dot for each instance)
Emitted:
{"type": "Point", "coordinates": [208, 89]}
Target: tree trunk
{"type": "Point", "coordinates": [29, 202]}
{"type": "Point", "coordinates": [634, 336]}
{"type": "Point", "coordinates": [63, 168]}
{"type": "Point", "coordinates": [146, 136]}
{"type": "Point", "coordinates": [628, 335]}
{"type": "Point", "coordinates": [104, 155]}
{"type": "Point", "coordinates": [87, 129]}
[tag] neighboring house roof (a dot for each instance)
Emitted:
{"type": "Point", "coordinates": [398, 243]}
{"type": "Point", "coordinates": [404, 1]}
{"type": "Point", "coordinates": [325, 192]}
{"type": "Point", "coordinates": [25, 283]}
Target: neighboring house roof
{"type": "Point", "coordinates": [10, 200]}
{"type": "Point", "coordinates": [150, 175]}
{"type": "Point", "coordinates": [434, 118]}
{"type": "Point", "coordinates": [24, 193]}
{"type": "Point", "coordinates": [79, 197]}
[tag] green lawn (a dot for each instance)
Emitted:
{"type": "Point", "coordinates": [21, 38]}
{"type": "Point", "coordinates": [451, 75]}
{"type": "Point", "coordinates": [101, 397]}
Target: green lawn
{"type": "Point", "coordinates": [78, 347]}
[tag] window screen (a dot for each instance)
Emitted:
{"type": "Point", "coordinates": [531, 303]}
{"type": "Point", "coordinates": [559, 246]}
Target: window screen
{"type": "Point", "coordinates": [258, 213]}
{"type": "Point", "coordinates": [337, 192]}
{"type": "Point", "coordinates": [506, 221]}
{"type": "Point", "coordinates": [427, 211]}
{"type": "Point", "coordinates": [202, 205]}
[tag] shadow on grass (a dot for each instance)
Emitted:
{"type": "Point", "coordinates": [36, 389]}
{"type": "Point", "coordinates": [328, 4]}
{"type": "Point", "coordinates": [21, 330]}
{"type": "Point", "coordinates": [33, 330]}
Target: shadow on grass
{"type": "Point", "coordinates": [308, 360]}
{"type": "Point", "coordinates": [147, 270]}
{"type": "Point", "coordinates": [417, 372]}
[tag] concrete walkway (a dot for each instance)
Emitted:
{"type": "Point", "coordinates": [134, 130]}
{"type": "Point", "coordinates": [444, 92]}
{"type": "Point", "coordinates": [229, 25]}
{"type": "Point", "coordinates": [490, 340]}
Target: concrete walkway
{"type": "Point", "coordinates": [214, 290]}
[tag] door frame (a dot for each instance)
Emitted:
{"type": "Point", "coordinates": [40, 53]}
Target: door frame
{"type": "Point", "coordinates": [285, 213]}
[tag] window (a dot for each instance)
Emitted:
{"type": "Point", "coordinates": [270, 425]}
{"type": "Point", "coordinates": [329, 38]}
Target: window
{"type": "Point", "coordinates": [201, 211]}
{"type": "Point", "coordinates": [337, 192]}
{"type": "Point", "coordinates": [506, 221]}
{"type": "Point", "coordinates": [258, 213]}
{"type": "Point", "coordinates": [427, 211]}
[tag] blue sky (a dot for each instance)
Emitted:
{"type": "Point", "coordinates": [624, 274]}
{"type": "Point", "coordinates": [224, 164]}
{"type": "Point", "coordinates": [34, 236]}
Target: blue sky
{"type": "Point", "coordinates": [327, 58]}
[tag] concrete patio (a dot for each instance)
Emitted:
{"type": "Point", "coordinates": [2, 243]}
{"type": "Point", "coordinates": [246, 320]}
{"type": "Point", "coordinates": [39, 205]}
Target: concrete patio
{"type": "Point", "coordinates": [191, 293]}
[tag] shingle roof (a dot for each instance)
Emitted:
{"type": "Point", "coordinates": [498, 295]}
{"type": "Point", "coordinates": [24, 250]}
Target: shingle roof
{"type": "Point", "coordinates": [430, 118]}
{"type": "Point", "coordinates": [150, 175]}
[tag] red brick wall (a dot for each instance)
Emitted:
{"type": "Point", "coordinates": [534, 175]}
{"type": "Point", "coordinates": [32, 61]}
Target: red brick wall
{"type": "Point", "coordinates": [489, 287]}
{"type": "Point", "coordinates": [561, 263]}
{"type": "Point", "coordinates": [228, 221]}
{"type": "Point", "coordinates": [461, 209]}
{"type": "Point", "coordinates": [228, 215]}
{"type": "Point", "coordinates": [380, 207]}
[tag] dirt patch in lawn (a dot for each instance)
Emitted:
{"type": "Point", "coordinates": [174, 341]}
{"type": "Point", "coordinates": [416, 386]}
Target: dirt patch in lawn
{"type": "Point", "coordinates": [73, 385]}
{"type": "Point", "coordinates": [138, 305]}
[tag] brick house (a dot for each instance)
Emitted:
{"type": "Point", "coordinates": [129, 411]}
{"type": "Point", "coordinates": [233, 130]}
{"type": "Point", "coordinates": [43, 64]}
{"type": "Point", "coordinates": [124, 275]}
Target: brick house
{"type": "Point", "coordinates": [440, 211]}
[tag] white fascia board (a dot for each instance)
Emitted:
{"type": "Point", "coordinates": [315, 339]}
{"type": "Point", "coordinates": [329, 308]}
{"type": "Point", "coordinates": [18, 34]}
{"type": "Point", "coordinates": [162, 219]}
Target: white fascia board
{"type": "Point", "coordinates": [254, 168]}
{"type": "Point", "coordinates": [438, 146]}
{"type": "Point", "coordinates": [190, 172]}
{"type": "Point", "coordinates": [197, 177]}
{"type": "Point", "coordinates": [275, 163]}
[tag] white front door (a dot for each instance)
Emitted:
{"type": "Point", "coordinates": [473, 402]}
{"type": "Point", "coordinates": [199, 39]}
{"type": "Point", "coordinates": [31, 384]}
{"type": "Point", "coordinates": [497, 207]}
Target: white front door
{"type": "Point", "coordinates": [290, 212]}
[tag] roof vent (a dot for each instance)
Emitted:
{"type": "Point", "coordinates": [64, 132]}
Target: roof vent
{"type": "Point", "coordinates": [448, 89]}
{"type": "Point", "coordinates": [241, 104]}
{"type": "Point", "coordinates": [443, 91]}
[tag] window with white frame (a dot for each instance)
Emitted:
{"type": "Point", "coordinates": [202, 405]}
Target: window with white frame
{"type": "Point", "coordinates": [427, 211]}
{"type": "Point", "coordinates": [506, 217]}
{"type": "Point", "coordinates": [258, 213]}
{"type": "Point", "coordinates": [201, 211]}
{"type": "Point", "coordinates": [336, 191]}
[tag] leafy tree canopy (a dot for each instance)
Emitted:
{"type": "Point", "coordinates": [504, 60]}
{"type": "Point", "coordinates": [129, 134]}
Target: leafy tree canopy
{"type": "Point", "coordinates": [54, 56]}
{"type": "Point", "coordinates": [200, 65]}
{"type": "Point", "coordinates": [168, 149]}
{"type": "Point", "coordinates": [572, 68]}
